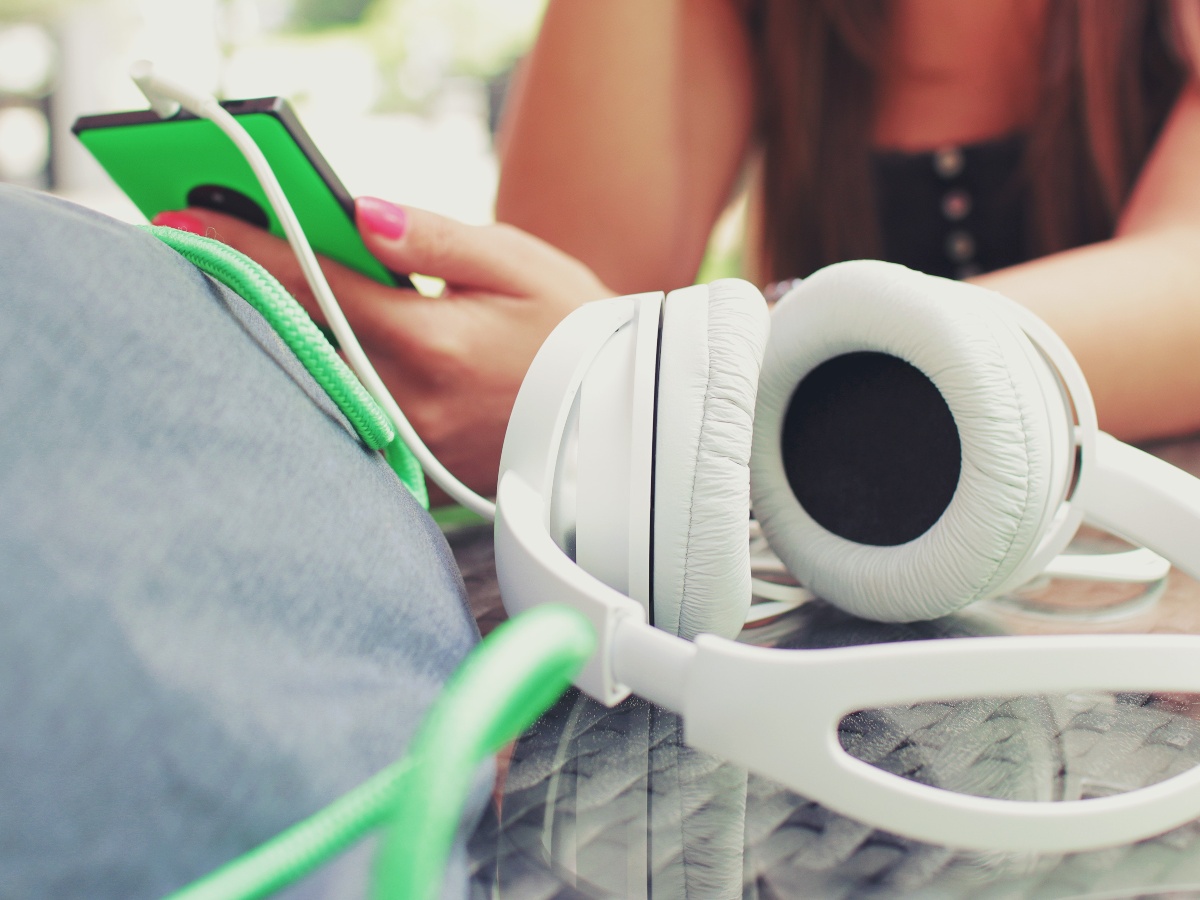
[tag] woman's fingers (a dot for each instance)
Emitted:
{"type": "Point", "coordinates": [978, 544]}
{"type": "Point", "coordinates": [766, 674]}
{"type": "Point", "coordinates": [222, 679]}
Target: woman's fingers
{"type": "Point", "coordinates": [356, 293]}
{"type": "Point", "coordinates": [413, 240]}
{"type": "Point", "coordinates": [268, 251]}
{"type": "Point", "coordinates": [415, 334]}
{"type": "Point", "coordinates": [494, 259]}
{"type": "Point", "coordinates": [490, 259]}
{"type": "Point", "coordinates": [453, 362]}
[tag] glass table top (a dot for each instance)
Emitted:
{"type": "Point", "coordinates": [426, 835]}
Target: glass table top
{"type": "Point", "coordinates": [599, 802]}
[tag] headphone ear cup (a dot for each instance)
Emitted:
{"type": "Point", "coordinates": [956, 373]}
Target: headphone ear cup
{"type": "Point", "coordinates": [872, 534]}
{"type": "Point", "coordinates": [711, 348]}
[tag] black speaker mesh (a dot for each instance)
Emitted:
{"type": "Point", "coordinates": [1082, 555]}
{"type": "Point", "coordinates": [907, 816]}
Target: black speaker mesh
{"type": "Point", "coordinates": [871, 449]}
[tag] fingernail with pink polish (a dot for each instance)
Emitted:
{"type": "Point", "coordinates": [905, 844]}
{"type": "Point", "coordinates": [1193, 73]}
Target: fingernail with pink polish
{"type": "Point", "coordinates": [181, 221]}
{"type": "Point", "coordinates": [385, 219]}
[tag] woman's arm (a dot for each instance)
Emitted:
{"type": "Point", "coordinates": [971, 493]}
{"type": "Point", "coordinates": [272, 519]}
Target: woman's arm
{"type": "Point", "coordinates": [625, 133]}
{"type": "Point", "coordinates": [1129, 307]}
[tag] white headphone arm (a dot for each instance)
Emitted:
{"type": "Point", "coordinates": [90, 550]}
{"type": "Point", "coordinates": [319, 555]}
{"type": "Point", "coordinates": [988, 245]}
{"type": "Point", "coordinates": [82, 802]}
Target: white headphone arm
{"type": "Point", "coordinates": [730, 690]}
{"type": "Point", "coordinates": [1121, 489]}
{"type": "Point", "coordinates": [777, 711]}
{"type": "Point", "coordinates": [1147, 501]}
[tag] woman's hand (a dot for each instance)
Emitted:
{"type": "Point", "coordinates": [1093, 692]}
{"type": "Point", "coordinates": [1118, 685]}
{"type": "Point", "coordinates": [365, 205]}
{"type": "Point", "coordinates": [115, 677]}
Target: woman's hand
{"type": "Point", "coordinates": [453, 362]}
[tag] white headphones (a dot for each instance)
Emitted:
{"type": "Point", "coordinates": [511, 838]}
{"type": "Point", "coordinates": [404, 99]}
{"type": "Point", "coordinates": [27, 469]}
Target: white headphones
{"type": "Point", "coordinates": [918, 444]}
{"type": "Point", "coordinates": [624, 492]}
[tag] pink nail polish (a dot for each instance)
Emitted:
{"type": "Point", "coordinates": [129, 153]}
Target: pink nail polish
{"type": "Point", "coordinates": [181, 221]}
{"type": "Point", "coordinates": [385, 219]}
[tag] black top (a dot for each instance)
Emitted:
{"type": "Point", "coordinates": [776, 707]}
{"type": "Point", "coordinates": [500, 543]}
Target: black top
{"type": "Point", "coordinates": [956, 211]}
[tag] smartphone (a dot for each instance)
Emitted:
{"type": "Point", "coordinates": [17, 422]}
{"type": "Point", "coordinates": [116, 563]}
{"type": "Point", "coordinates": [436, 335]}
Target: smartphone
{"type": "Point", "coordinates": [172, 163]}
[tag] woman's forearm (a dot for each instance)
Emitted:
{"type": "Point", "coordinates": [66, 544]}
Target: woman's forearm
{"type": "Point", "coordinates": [1129, 309]}
{"type": "Point", "coordinates": [627, 127]}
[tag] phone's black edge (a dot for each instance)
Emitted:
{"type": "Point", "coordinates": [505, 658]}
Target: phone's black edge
{"type": "Point", "coordinates": [275, 106]}
{"type": "Point", "coordinates": [283, 110]}
{"type": "Point", "coordinates": [146, 116]}
{"type": "Point", "coordinates": [287, 116]}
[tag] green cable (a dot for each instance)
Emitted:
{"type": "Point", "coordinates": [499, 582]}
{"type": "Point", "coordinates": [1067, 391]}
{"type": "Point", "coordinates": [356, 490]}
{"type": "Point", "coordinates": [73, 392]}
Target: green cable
{"type": "Point", "coordinates": [497, 692]}
{"type": "Point", "coordinates": [291, 323]}
{"type": "Point", "coordinates": [260, 289]}
{"type": "Point", "coordinates": [406, 467]}
{"type": "Point", "coordinates": [452, 518]}
{"type": "Point", "coordinates": [531, 672]}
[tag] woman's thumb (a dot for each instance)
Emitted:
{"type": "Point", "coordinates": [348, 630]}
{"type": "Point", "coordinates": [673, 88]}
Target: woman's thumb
{"type": "Point", "coordinates": [410, 240]}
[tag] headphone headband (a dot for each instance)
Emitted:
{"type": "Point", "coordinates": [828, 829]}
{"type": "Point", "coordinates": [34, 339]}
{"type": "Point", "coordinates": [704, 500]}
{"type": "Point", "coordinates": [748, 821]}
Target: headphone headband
{"type": "Point", "coordinates": [535, 429]}
{"type": "Point", "coordinates": [526, 555]}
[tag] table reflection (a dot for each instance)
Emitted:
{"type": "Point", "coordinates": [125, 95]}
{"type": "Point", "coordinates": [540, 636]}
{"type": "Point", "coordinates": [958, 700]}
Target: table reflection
{"type": "Point", "coordinates": [600, 802]}
{"type": "Point", "coordinates": [609, 802]}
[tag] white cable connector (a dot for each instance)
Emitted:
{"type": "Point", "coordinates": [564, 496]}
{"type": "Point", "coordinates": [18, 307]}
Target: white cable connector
{"type": "Point", "coordinates": [166, 98]}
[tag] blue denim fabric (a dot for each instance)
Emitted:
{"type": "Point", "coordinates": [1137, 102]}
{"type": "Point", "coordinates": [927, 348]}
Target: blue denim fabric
{"type": "Point", "coordinates": [218, 610]}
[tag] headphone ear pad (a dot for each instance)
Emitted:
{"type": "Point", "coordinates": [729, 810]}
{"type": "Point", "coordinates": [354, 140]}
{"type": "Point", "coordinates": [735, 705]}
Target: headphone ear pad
{"type": "Point", "coordinates": [711, 349]}
{"type": "Point", "coordinates": [956, 339]}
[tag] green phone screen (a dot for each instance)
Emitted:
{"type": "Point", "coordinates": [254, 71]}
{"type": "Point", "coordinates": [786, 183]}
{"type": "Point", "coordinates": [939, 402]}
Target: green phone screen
{"type": "Point", "coordinates": [174, 163]}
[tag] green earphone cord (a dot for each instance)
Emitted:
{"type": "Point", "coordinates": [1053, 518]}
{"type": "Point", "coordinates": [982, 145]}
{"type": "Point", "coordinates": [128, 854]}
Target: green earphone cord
{"type": "Point", "coordinates": [260, 289]}
{"type": "Point", "coordinates": [500, 689]}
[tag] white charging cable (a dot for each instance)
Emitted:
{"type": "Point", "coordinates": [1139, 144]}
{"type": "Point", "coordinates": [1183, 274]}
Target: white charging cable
{"type": "Point", "coordinates": [166, 98]}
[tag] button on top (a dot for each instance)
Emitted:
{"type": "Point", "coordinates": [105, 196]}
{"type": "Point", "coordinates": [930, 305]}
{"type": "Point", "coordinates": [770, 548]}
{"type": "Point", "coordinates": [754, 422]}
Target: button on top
{"type": "Point", "coordinates": [956, 204]}
{"type": "Point", "coordinates": [954, 210]}
{"type": "Point", "coordinates": [948, 162]}
{"type": "Point", "coordinates": [960, 246]}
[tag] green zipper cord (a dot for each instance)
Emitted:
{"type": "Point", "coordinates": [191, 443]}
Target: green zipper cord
{"type": "Point", "coordinates": [497, 694]}
{"type": "Point", "coordinates": [499, 690]}
{"type": "Point", "coordinates": [259, 288]}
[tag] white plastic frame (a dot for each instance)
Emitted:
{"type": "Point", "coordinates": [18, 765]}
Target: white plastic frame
{"type": "Point", "coordinates": [777, 711]}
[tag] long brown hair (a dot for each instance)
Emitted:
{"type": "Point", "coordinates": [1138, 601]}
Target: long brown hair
{"type": "Point", "coordinates": [1110, 70]}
